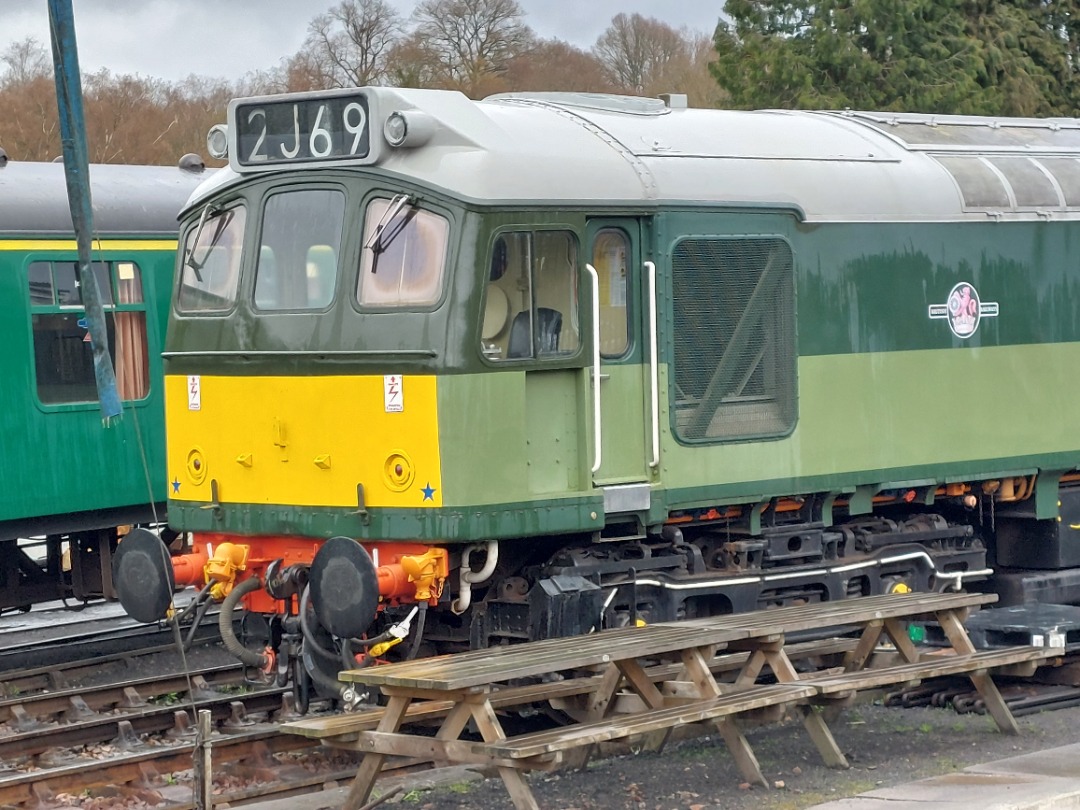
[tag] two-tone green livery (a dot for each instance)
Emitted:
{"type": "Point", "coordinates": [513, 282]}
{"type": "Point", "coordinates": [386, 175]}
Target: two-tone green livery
{"type": "Point", "coordinates": [548, 363]}
{"type": "Point", "coordinates": [67, 483]}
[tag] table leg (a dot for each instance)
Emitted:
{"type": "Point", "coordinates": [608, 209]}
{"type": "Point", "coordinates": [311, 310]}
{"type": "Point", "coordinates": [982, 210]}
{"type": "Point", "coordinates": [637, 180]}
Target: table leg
{"type": "Point", "coordinates": [641, 683]}
{"type": "Point", "coordinates": [813, 721]}
{"type": "Point", "coordinates": [487, 722]}
{"type": "Point", "coordinates": [953, 626]}
{"type": "Point", "coordinates": [898, 632]}
{"type": "Point", "coordinates": [741, 752]}
{"type": "Point", "coordinates": [751, 669]}
{"type": "Point", "coordinates": [599, 702]}
{"type": "Point", "coordinates": [856, 659]}
{"type": "Point", "coordinates": [369, 770]}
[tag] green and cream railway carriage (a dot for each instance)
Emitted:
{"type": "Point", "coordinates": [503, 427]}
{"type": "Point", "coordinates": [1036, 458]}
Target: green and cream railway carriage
{"type": "Point", "coordinates": [547, 363]}
{"type": "Point", "coordinates": [67, 484]}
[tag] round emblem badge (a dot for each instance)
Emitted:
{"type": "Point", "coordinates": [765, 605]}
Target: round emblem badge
{"type": "Point", "coordinates": [964, 310]}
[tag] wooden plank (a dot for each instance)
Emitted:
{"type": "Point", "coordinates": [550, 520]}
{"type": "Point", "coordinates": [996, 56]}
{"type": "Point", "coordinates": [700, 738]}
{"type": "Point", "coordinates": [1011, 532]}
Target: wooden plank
{"type": "Point", "coordinates": [426, 749]}
{"type": "Point", "coordinates": [847, 612]}
{"type": "Point", "coordinates": [928, 668]}
{"type": "Point", "coordinates": [481, 667]}
{"type": "Point", "coordinates": [546, 742]}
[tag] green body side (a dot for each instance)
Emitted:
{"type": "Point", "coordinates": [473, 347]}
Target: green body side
{"type": "Point", "coordinates": [60, 459]}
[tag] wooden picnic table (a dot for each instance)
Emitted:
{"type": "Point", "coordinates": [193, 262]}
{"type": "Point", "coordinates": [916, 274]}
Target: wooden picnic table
{"type": "Point", "coordinates": [468, 685]}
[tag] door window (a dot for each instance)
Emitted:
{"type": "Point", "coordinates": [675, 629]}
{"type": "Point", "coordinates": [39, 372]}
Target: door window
{"type": "Point", "coordinates": [611, 251]}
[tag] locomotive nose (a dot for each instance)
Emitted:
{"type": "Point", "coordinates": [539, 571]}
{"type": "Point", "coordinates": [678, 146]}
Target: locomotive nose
{"type": "Point", "coordinates": [143, 576]}
{"type": "Point", "coordinates": [344, 587]}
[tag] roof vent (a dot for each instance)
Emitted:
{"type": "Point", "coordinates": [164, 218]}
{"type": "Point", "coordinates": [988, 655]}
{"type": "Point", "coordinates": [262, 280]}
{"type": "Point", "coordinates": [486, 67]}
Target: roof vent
{"type": "Point", "coordinates": [192, 163]}
{"type": "Point", "coordinates": [675, 101]}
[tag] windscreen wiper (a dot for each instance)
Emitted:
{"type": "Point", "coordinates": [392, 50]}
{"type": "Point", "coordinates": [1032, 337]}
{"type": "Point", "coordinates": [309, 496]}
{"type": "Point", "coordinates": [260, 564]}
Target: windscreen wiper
{"type": "Point", "coordinates": [375, 242]}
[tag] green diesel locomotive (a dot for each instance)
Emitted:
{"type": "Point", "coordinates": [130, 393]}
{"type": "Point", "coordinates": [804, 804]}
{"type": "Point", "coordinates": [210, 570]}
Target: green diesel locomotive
{"type": "Point", "coordinates": [69, 484]}
{"type": "Point", "coordinates": [464, 373]}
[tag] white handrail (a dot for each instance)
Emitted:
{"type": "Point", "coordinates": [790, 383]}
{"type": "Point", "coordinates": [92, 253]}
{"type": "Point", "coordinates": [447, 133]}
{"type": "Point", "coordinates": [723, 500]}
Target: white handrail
{"type": "Point", "coordinates": [654, 368]}
{"type": "Point", "coordinates": [596, 364]}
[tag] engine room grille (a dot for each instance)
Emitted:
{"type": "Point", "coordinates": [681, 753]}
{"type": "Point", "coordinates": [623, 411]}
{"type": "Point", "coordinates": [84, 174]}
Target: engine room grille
{"type": "Point", "coordinates": [734, 370]}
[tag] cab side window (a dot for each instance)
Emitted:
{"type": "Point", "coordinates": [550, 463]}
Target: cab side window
{"type": "Point", "coordinates": [63, 358]}
{"type": "Point", "coordinates": [530, 300]}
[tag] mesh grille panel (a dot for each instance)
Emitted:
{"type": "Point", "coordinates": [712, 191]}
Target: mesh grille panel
{"type": "Point", "coordinates": [734, 367]}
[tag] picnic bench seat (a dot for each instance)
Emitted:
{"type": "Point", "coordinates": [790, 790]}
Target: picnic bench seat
{"type": "Point", "coordinates": [542, 743]}
{"type": "Point", "coordinates": [931, 667]}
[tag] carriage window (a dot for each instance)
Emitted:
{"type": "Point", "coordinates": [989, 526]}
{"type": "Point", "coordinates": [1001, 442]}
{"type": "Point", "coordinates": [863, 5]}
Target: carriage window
{"type": "Point", "coordinates": [610, 251]}
{"type": "Point", "coordinates": [734, 369]}
{"type": "Point", "coordinates": [530, 301]}
{"type": "Point", "coordinates": [63, 358]}
{"type": "Point", "coordinates": [404, 254]}
{"type": "Point", "coordinates": [210, 271]}
{"type": "Point", "coordinates": [301, 237]}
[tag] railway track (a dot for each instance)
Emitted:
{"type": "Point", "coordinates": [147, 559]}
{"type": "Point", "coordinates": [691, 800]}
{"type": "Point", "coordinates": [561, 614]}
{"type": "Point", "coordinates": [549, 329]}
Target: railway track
{"type": "Point", "coordinates": [130, 743]}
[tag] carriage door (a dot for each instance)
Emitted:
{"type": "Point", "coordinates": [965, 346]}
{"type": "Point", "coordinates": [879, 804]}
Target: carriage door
{"type": "Point", "coordinates": [622, 313]}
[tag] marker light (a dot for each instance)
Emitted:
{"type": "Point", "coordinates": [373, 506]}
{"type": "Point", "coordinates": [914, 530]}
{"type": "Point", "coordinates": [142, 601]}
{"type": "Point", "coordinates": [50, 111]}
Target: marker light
{"type": "Point", "coordinates": [408, 129]}
{"type": "Point", "coordinates": [217, 141]}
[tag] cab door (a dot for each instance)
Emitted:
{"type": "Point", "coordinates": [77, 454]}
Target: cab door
{"type": "Point", "coordinates": [623, 318]}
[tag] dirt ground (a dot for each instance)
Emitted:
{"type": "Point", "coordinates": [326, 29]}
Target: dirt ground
{"type": "Point", "coordinates": [885, 746]}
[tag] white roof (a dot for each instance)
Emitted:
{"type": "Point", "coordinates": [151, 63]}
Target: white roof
{"type": "Point", "coordinates": [591, 149]}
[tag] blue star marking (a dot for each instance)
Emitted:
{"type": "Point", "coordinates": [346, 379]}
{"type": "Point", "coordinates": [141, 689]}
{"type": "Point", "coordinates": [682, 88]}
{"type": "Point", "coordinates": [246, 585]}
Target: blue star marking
{"type": "Point", "coordinates": [428, 491]}
{"type": "Point", "coordinates": [176, 485]}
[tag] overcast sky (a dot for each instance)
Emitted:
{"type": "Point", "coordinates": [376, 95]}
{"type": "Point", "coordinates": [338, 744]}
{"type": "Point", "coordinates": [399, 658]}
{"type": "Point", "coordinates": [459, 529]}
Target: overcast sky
{"type": "Point", "coordinates": [171, 39]}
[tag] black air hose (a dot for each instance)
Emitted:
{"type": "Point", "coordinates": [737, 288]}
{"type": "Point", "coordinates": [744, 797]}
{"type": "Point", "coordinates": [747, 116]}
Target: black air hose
{"type": "Point", "coordinates": [328, 683]}
{"type": "Point", "coordinates": [225, 624]}
{"type": "Point", "coordinates": [310, 642]}
{"type": "Point", "coordinates": [420, 620]}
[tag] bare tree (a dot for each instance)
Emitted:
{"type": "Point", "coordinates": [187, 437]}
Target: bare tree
{"type": "Point", "coordinates": [551, 64]}
{"type": "Point", "coordinates": [348, 45]}
{"type": "Point", "coordinates": [26, 60]}
{"type": "Point", "coordinates": [635, 50]}
{"type": "Point", "coordinates": [689, 73]}
{"type": "Point", "coordinates": [471, 40]}
{"type": "Point", "coordinates": [411, 63]}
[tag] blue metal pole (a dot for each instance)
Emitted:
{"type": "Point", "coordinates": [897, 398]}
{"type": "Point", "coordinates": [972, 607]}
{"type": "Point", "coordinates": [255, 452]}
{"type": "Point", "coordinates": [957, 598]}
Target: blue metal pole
{"type": "Point", "coordinates": [77, 173]}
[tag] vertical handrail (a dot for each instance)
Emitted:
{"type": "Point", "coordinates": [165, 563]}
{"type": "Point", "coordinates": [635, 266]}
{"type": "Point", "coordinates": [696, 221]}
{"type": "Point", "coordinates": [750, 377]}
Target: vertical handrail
{"type": "Point", "coordinates": [595, 280]}
{"type": "Point", "coordinates": [654, 368]}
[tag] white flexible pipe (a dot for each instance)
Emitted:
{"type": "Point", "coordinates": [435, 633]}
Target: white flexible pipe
{"type": "Point", "coordinates": [467, 577]}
